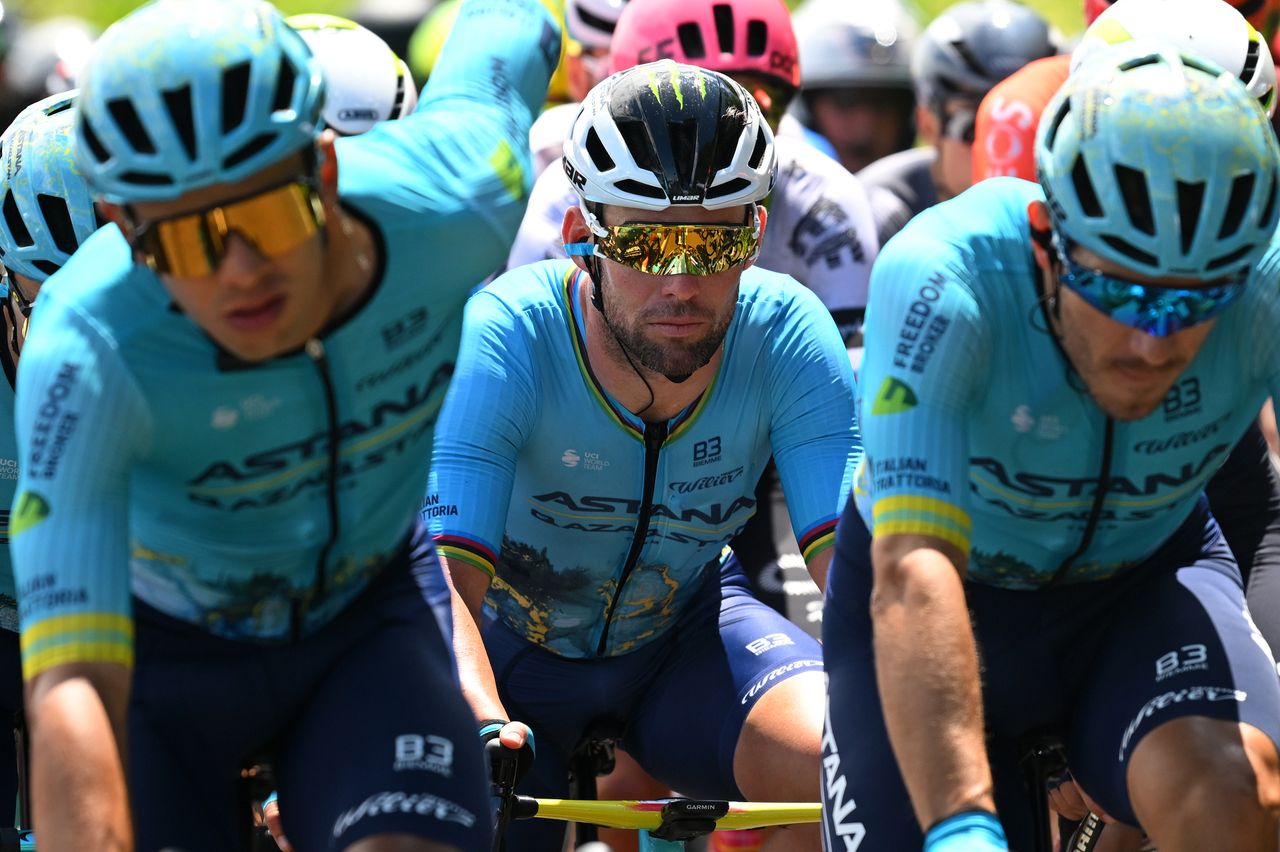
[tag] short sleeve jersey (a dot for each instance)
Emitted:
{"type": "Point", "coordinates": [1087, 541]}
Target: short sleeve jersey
{"type": "Point", "coordinates": [256, 501]}
{"type": "Point", "coordinates": [977, 431]}
{"type": "Point", "coordinates": [600, 527]}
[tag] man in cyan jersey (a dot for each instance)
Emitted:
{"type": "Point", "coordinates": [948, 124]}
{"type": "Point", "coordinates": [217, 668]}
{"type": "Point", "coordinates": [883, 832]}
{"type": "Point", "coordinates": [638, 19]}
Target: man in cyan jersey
{"type": "Point", "coordinates": [601, 443]}
{"type": "Point", "coordinates": [1055, 374]}
{"type": "Point", "coordinates": [963, 52]}
{"type": "Point", "coordinates": [52, 213]}
{"type": "Point", "coordinates": [225, 413]}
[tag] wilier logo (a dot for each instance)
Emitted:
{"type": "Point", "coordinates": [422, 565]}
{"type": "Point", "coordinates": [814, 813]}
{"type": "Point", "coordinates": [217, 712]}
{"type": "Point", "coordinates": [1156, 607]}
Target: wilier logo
{"type": "Point", "coordinates": [895, 397]}
{"type": "Point", "coordinates": [432, 753]}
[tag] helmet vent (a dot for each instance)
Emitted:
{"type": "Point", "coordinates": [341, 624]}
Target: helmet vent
{"type": "Point", "coordinates": [723, 14]}
{"type": "Point", "coordinates": [146, 179]}
{"type": "Point", "coordinates": [397, 107]}
{"type": "Point", "coordinates": [729, 187]}
{"type": "Point", "coordinates": [594, 21]}
{"type": "Point", "coordinates": [1237, 204]}
{"type": "Point", "coordinates": [969, 59]}
{"type": "Point", "coordinates": [1190, 202]}
{"type": "Point", "coordinates": [13, 221]}
{"type": "Point", "coordinates": [48, 267]}
{"type": "Point", "coordinates": [599, 156]}
{"type": "Point", "coordinates": [57, 218]}
{"type": "Point", "coordinates": [1250, 61]}
{"type": "Point", "coordinates": [635, 187]}
{"type": "Point", "coordinates": [1271, 202]}
{"type": "Point", "coordinates": [284, 85]}
{"type": "Point", "coordinates": [178, 102]}
{"type": "Point", "coordinates": [1129, 250]}
{"type": "Point", "coordinates": [247, 150]}
{"type": "Point", "coordinates": [1084, 189]}
{"type": "Point", "coordinates": [127, 119]}
{"type": "Point", "coordinates": [757, 37]}
{"type": "Point", "coordinates": [1137, 198]}
{"type": "Point", "coordinates": [61, 106]}
{"type": "Point", "coordinates": [757, 153]}
{"type": "Point", "coordinates": [1143, 61]}
{"type": "Point", "coordinates": [1056, 124]}
{"type": "Point", "coordinates": [95, 145]}
{"type": "Point", "coordinates": [691, 43]}
{"type": "Point", "coordinates": [1230, 258]}
{"type": "Point", "coordinates": [235, 95]}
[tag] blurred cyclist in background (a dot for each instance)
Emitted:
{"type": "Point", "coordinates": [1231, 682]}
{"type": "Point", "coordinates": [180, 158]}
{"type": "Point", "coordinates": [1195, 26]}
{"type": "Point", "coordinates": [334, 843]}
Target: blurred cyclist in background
{"type": "Point", "coordinates": [962, 53]}
{"type": "Point", "coordinates": [48, 213]}
{"type": "Point", "coordinates": [365, 81]}
{"type": "Point", "coordinates": [855, 78]}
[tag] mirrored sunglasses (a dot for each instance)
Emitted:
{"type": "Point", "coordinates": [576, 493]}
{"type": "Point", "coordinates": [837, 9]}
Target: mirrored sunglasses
{"type": "Point", "coordinates": [275, 221]}
{"type": "Point", "coordinates": [1158, 311]}
{"type": "Point", "coordinates": [669, 249]}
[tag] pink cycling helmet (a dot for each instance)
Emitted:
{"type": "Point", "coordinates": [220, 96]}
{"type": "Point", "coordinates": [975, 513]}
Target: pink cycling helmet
{"type": "Point", "coordinates": [730, 36]}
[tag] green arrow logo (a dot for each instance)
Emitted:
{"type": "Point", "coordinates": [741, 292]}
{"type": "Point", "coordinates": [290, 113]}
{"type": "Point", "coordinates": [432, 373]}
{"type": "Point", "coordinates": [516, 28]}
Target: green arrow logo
{"type": "Point", "coordinates": [895, 397]}
{"type": "Point", "coordinates": [31, 510]}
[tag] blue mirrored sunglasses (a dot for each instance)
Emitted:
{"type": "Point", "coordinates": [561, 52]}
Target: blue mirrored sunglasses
{"type": "Point", "coordinates": [1159, 311]}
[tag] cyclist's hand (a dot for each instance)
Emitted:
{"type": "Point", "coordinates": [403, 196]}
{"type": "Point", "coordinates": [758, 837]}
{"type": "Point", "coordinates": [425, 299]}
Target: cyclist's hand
{"type": "Point", "coordinates": [969, 831]}
{"type": "Point", "coordinates": [1067, 799]}
{"type": "Point", "coordinates": [271, 816]}
{"type": "Point", "coordinates": [510, 748]}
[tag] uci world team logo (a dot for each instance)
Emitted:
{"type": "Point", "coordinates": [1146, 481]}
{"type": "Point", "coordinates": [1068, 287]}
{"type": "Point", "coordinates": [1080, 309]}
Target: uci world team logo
{"type": "Point", "coordinates": [895, 396]}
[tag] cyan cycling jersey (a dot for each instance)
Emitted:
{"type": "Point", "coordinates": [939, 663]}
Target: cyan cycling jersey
{"type": "Point", "coordinates": [978, 432]}
{"type": "Point", "coordinates": [257, 501]}
{"type": "Point", "coordinates": [598, 525]}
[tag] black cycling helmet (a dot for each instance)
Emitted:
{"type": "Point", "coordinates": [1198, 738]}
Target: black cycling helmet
{"type": "Point", "coordinates": [666, 134]}
{"type": "Point", "coordinates": [972, 46]}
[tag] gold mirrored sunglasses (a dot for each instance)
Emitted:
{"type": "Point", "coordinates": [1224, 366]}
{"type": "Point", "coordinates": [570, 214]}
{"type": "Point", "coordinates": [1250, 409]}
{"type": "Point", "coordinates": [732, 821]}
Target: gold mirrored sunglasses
{"type": "Point", "coordinates": [274, 221]}
{"type": "Point", "coordinates": [659, 248]}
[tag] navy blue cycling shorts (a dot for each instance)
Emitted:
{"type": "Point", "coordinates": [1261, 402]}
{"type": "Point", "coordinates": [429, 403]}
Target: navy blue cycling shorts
{"type": "Point", "coordinates": [1100, 664]}
{"type": "Point", "coordinates": [364, 719]}
{"type": "Point", "coordinates": [680, 700]}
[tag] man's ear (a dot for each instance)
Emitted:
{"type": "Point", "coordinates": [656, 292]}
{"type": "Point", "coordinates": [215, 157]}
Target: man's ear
{"type": "Point", "coordinates": [1041, 230]}
{"type": "Point", "coordinates": [574, 229]}
{"type": "Point", "coordinates": [763, 213]}
{"type": "Point", "coordinates": [328, 172]}
{"type": "Point", "coordinates": [116, 214]}
{"type": "Point", "coordinates": [927, 125]}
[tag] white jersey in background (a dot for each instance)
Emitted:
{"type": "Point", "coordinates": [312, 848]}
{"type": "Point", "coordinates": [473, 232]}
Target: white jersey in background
{"type": "Point", "coordinates": [820, 229]}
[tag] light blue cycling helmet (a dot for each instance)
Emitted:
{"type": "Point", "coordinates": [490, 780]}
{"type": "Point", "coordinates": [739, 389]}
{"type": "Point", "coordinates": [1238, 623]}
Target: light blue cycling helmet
{"type": "Point", "coordinates": [1161, 162]}
{"type": "Point", "coordinates": [46, 211]}
{"type": "Point", "coordinates": [181, 95]}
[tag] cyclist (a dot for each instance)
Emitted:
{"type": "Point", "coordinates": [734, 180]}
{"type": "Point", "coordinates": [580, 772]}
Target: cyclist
{"type": "Point", "coordinates": [642, 386]}
{"type": "Point", "coordinates": [855, 78]}
{"type": "Point", "coordinates": [1069, 367]}
{"type": "Point", "coordinates": [51, 214]}
{"type": "Point", "coordinates": [365, 82]}
{"type": "Point", "coordinates": [822, 231]}
{"type": "Point", "coordinates": [1243, 494]}
{"type": "Point", "coordinates": [589, 25]}
{"type": "Point", "coordinates": [963, 52]}
{"type": "Point", "coordinates": [218, 403]}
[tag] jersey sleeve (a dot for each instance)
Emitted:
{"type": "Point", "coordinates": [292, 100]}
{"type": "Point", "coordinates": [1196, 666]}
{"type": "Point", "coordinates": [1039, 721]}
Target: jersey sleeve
{"type": "Point", "coordinates": [926, 353]}
{"type": "Point", "coordinates": [483, 425]}
{"type": "Point", "coordinates": [813, 427]}
{"type": "Point", "coordinates": [1260, 313]}
{"type": "Point", "coordinates": [464, 153]}
{"type": "Point", "coordinates": [81, 424]}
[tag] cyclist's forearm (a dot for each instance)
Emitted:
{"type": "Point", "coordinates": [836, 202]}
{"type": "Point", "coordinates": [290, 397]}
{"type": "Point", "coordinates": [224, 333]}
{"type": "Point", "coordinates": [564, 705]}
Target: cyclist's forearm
{"type": "Point", "coordinates": [927, 669]}
{"type": "Point", "coordinates": [78, 777]}
{"type": "Point", "coordinates": [475, 673]}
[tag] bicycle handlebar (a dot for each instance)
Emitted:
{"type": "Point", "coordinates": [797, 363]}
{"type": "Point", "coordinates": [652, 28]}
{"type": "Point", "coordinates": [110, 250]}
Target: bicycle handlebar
{"type": "Point", "coordinates": [653, 814]}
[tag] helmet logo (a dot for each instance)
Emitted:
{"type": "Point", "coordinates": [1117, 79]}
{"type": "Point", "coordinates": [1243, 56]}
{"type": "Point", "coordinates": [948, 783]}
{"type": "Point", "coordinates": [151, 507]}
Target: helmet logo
{"type": "Point", "coordinates": [662, 50]}
{"type": "Point", "coordinates": [577, 178]}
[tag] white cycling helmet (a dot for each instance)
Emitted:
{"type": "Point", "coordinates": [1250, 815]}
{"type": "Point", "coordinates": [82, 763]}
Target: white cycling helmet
{"type": "Point", "coordinates": [1212, 29]}
{"type": "Point", "coordinates": [365, 81]}
{"type": "Point", "coordinates": [591, 22]}
{"type": "Point", "coordinates": [664, 134]}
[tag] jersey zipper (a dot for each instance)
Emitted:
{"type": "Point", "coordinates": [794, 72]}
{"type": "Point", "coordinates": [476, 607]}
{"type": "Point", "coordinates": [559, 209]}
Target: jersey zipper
{"type": "Point", "coordinates": [315, 351]}
{"type": "Point", "coordinates": [654, 436]}
{"type": "Point", "coordinates": [1095, 511]}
